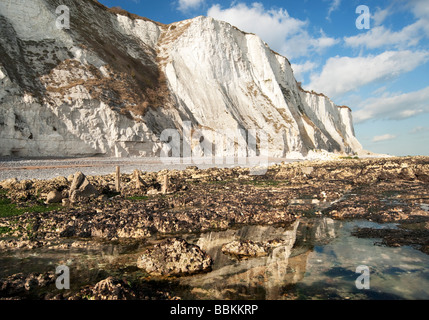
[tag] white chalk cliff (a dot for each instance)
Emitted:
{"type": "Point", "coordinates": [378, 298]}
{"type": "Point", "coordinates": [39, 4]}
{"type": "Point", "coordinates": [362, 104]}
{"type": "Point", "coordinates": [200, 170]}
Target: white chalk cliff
{"type": "Point", "coordinates": [113, 82]}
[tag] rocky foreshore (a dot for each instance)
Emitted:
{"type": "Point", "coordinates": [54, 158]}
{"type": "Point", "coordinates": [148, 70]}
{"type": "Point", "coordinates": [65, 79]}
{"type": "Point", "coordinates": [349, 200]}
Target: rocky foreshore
{"type": "Point", "coordinates": [90, 212]}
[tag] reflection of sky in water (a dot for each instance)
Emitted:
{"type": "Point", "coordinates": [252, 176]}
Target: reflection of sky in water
{"type": "Point", "coordinates": [318, 262]}
{"type": "Point", "coordinates": [395, 273]}
{"type": "Point", "coordinates": [317, 259]}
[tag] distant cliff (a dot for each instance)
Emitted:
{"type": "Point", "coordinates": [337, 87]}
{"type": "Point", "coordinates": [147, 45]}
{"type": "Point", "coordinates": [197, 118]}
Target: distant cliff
{"type": "Point", "coordinates": [113, 82]}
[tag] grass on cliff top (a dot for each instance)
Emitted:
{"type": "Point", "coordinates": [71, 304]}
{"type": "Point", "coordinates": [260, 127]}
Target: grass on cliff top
{"type": "Point", "coordinates": [9, 209]}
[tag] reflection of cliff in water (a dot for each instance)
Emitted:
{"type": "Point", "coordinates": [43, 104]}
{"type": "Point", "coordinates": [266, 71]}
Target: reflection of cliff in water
{"type": "Point", "coordinates": [259, 277]}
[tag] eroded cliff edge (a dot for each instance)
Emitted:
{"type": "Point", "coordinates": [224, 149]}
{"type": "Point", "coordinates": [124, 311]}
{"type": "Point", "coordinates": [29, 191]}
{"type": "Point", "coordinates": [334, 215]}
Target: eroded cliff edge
{"type": "Point", "coordinates": [113, 82]}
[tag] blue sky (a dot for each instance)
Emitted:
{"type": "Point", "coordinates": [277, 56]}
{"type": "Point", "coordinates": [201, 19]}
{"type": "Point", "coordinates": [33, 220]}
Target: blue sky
{"type": "Point", "coordinates": [381, 73]}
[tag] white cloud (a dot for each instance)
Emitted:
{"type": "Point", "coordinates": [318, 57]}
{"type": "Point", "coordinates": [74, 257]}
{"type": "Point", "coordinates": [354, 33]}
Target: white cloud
{"type": "Point", "coordinates": [380, 15]}
{"type": "Point", "coordinates": [285, 34]}
{"type": "Point", "coordinates": [344, 74]}
{"type": "Point", "coordinates": [383, 137]}
{"type": "Point", "coordinates": [379, 91]}
{"type": "Point", "coordinates": [324, 41]}
{"type": "Point", "coordinates": [420, 8]}
{"type": "Point", "coordinates": [379, 37]}
{"type": "Point", "coordinates": [382, 37]}
{"type": "Point", "coordinates": [334, 6]}
{"type": "Point", "coordinates": [394, 106]}
{"type": "Point", "coordinates": [300, 69]}
{"type": "Point", "coordinates": [185, 5]}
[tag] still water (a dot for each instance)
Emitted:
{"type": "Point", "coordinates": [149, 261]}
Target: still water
{"type": "Point", "coordinates": [317, 259]}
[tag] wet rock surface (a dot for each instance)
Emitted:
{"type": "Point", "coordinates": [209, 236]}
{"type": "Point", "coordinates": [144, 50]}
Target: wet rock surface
{"type": "Point", "coordinates": [247, 248]}
{"type": "Point", "coordinates": [243, 249]}
{"type": "Point", "coordinates": [20, 283]}
{"type": "Point", "coordinates": [174, 257]}
{"type": "Point", "coordinates": [107, 289]}
{"type": "Point", "coordinates": [390, 190]}
{"type": "Point", "coordinates": [113, 288]}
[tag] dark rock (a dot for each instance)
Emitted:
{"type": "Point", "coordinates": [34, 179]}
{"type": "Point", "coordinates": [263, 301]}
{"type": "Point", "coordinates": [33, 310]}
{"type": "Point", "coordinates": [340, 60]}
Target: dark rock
{"type": "Point", "coordinates": [20, 283]}
{"type": "Point", "coordinates": [69, 231]}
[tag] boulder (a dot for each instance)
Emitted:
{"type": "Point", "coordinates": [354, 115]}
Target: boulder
{"type": "Point", "coordinates": [8, 183]}
{"type": "Point", "coordinates": [54, 197]}
{"type": "Point", "coordinates": [407, 174]}
{"type": "Point", "coordinates": [81, 188]}
{"type": "Point", "coordinates": [78, 178]}
{"type": "Point", "coordinates": [174, 257]}
{"type": "Point", "coordinates": [112, 289]}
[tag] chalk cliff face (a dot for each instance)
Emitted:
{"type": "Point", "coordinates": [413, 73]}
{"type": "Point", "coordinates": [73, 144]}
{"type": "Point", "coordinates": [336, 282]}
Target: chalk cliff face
{"type": "Point", "coordinates": [111, 83]}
